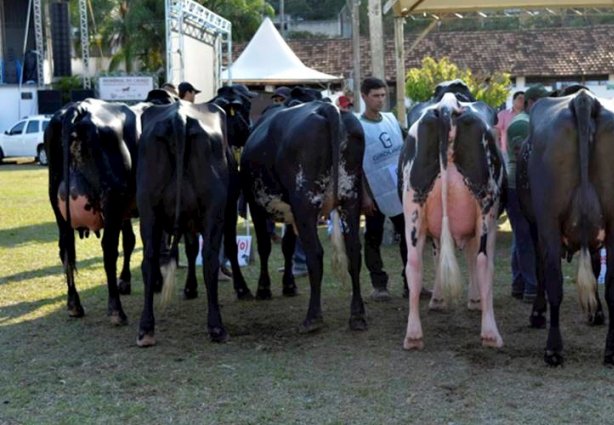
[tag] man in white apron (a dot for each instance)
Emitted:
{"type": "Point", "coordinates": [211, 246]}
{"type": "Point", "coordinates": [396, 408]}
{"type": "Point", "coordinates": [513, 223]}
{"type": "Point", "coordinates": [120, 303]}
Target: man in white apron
{"type": "Point", "coordinates": [383, 144]}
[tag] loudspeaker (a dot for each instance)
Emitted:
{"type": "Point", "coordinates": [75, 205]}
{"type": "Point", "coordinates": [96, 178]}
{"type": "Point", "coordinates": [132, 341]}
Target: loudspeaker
{"type": "Point", "coordinates": [60, 39]}
{"type": "Point", "coordinates": [49, 101]}
{"type": "Point", "coordinates": [81, 94]}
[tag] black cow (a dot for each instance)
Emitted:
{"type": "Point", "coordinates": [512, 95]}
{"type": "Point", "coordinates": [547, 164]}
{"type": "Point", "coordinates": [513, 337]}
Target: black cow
{"type": "Point", "coordinates": [236, 103]}
{"type": "Point", "coordinates": [92, 152]}
{"type": "Point", "coordinates": [564, 183]}
{"type": "Point", "coordinates": [182, 188]}
{"type": "Point", "coordinates": [300, 162]}
{"type": "Point", "coordinates": [451, 178]}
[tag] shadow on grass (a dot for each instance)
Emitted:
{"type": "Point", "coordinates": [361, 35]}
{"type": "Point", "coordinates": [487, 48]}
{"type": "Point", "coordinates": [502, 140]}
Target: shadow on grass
{"type": "Point", "coordinates": [57, 269]}
{"type": "Point", "coordinates": [14, 311]}
{"type": "Point", "coordinates": [43, 232]}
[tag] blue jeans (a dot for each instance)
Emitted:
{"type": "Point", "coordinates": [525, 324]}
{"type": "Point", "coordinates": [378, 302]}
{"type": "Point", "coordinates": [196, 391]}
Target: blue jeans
{"type": "Point", "coordinates": [299, 259]}
{"type": "Point", "coordinates": [523, 252]}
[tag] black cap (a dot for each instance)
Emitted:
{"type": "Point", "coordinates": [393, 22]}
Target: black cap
{"type": "Point", "coordinates": [244, 91]}
{"type": "Point", "coordinates": [283, 92]}
{"type": "Point", "coordinates": [186, 87]}
{"type": "Point", "coordinates": [535, 92]}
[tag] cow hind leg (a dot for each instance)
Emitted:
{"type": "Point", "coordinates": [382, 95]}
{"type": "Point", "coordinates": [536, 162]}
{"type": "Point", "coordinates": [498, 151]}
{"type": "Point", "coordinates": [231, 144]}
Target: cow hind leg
{"type": "Point", "coordinates": [128, 243]}
{"type": "Point", "coordinates": [231, 250]}
{"type": "Point", "coordinates": [287, 247]}
{"type": "Point", "coordinates": [474, 302]}
{"type": "Point", "coordinates": [537, 319]}
{"type": "Point", "coordinates": [596, 318]}
{"type": "Point", "coordinates": [415, 236]}
{"type": "Point", "coordinates": [110, 242]}
{"type": "Point", "coordinates": [553, 278]}
{"type": "Point", "coordinates": [212, 241]}
{"type": "Point", "coordinates": [151, 235]}
{"type": "Point", "coordinates": [350, 226]}
{"type": "Point", "coordinates": [306, 217]}
{"type": "Point", "coordinates": [264, 251]}
{"type": "Point", "coordinates": [485, 272]}
{"type": "Point", "coordinates": [190, 290]}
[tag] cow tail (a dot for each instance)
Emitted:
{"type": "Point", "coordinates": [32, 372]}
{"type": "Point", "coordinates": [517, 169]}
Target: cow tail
{"type": "Point", "coordinates": [68, 126]}
{"type": "Point", "coordinates": [337, 135]}
{"type": "Point", "coordinates": [340, 262]}
{"type": "Point", "coordinates": [168, 271]}
{"type": "Point", "coordinates": [449, 272]}
{"type": "Point", "coordinates": [584, 107]}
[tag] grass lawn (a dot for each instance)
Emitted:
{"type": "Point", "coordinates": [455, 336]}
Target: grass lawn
{"type": "Point", "coordinates": [58, 370]}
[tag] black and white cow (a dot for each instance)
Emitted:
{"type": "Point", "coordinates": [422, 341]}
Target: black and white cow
{"type": "Point", "coordinates": [451, 178]}
{"type": "Point", "coordinates": [299, 163]}
{"type": "Point", "coordinates": [91, 147]}
{"type": "Point", "coordinates": [564, 183]}
{"type": "Point", "coordinates": [182, 188]}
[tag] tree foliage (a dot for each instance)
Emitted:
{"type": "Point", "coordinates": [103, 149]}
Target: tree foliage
{"type": "Point", "coordinates": [420, 83]}
{"type": "Point", "coordinates": [245, 15]}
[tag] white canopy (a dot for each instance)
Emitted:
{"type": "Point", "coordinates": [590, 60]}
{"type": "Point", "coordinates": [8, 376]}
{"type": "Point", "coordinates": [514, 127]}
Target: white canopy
{"type": "Point", "coordinates": [267, 59]}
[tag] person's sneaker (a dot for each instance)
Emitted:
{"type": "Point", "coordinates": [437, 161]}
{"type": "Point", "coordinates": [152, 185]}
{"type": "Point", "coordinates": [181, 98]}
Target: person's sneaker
{"type": "Point", "coordinates": [221, 277]}
{"type": "Point", "coordinates": [299, 272]}
{"type": "Point", "coordinates": [226, 271]}
{"type": "Point", "coordinates": [529, 297]}
{"type": "Point", "coordinates": [380, 294]}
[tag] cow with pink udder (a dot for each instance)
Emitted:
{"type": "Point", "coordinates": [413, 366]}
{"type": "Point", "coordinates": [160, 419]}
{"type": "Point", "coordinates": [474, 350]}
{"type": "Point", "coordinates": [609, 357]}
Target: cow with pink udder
{"type": "Point", "coordinates": [451, 181]}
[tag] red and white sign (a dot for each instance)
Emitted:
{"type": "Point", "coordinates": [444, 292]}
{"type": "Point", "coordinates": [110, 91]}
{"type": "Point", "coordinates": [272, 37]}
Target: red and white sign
{"type": "Point", "coordinates": [244, 248]}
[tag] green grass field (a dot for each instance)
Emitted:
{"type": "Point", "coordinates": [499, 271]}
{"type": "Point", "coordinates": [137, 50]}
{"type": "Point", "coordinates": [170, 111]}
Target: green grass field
{"type": "Point", "coordinates": [58, 370]}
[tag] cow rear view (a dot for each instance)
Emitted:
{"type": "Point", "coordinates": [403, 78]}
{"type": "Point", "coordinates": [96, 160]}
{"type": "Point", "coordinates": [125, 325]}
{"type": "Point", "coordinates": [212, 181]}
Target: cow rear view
{"type": "Point", "coordinates": [298, 164]}
{"type": "Point", "coordinates": [566, 175]}
{"type": "Point", "coordinates": [182, 187]}
{"type": "Point", "coordinates": [452, 179]}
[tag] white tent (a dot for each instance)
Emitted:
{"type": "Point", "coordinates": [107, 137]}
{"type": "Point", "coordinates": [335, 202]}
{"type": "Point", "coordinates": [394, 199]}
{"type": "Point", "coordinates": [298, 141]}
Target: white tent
{"type": "Point", "coordinates": [267, 59]}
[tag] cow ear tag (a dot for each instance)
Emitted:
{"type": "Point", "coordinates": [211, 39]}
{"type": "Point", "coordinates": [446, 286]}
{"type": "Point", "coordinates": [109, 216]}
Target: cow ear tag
{"type": "Point", "coordinates": [232, 112]}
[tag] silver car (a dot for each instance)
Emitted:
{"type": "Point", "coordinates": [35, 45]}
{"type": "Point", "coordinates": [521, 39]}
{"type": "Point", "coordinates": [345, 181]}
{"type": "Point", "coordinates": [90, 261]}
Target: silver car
{"type": "Point", "coordinates": [25, 138]}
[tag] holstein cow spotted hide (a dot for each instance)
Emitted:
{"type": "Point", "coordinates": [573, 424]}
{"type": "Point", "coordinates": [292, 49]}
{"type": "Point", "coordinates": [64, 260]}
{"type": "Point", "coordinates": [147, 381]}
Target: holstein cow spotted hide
{"type": "Point", "coordinates": [91, 147]}
{"type": "Point", "coordinates": [298, 164]}
{"type": "Point", "coordinates": [564, 184]}
{"type": "Point", "coordinates": [452, 178]}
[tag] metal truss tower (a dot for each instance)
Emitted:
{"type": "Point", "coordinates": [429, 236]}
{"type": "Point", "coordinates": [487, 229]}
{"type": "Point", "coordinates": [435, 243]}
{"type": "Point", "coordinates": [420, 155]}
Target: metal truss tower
{"type": "Point", "coordinates": [186, 17]}
{"type": "Point", "coordinates": [85, 44]}
{"type": "Point", "coordinates": [38, 39]}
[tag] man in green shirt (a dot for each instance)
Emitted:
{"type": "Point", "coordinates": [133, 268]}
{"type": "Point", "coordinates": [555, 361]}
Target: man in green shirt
{"type": "Point", "coordinates": [523, 253]}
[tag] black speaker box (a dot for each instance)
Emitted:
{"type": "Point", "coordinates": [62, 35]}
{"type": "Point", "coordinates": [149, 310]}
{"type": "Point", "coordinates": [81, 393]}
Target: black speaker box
{"type": "Point", "coordinates": [49, 101]}
{"type": "Point", "coordinates": [60, 39]}
{"type": "Point", "coordinates": [81, 94]}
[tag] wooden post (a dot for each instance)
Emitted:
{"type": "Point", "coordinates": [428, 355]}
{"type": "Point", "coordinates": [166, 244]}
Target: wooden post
{"type": "Point", "coordinates": [399, 49]}
{"type": "Point", "coordinates": [354, 7]}
{"type": "Point", "coordinates": [376, 39]}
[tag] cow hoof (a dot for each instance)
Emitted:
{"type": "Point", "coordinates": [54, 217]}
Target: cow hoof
{"type": "Point", "coordinates": [437, 304]}
{"type": "Point", "coordinates": [492, 341]}
{"type": "Point", "coordinates": [596, 319]}
{"type": "Point", "coordinates": [119, 318]}
{"type": "Point", "coordinates": [124, 287]}
{"type": "Point", "coordinates": [290, 291]}
{"type": "Point", "coordinates": [76, 312]}
{"type": "Point", "coordinates": [553, 358]}
{"type": "Point", "coordinates": [413, 344]}
{"type": "Point", "coordinates": [474, 305]}
{"type": "Point", "coordinates": [608, 359]}
{"type": "Point", "coordinates": [190, 294]}
{"type": "Point", "coordinates": [358, 323]}
{"type": "Point", "coordinates": [309, 326]}
{"type": "Point", "coordinates": [218, 335]}
{"type": "Point", "coordinates": [244, 295]}
{"type": "Point", "coordinates": [537, 321]}
{"type": "Point", "coordinates": [263, 294]}
{"type": "Point", "coordinates": [146, 340]}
